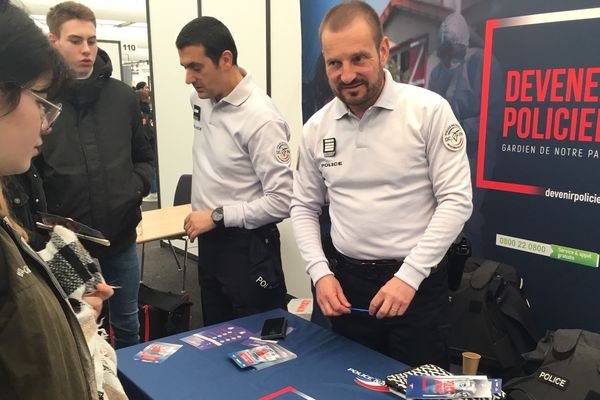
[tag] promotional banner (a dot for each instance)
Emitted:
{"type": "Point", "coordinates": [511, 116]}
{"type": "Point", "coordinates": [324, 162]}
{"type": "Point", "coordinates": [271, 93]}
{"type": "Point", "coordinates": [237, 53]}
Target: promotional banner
{"type": "Point", "coordinates": [522, 77]}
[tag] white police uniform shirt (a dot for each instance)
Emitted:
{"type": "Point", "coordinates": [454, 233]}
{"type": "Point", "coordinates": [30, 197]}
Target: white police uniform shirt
{"type": "Point", "coordinates": [398, 181]}
{"type": "Point", "coordinates": [241, 157]}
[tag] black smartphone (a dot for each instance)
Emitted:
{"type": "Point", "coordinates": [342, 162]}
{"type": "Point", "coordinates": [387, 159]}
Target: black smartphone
{"type": "Point", "coordinates": [81, 230]}
{"type": "Point", "coordinates": [274, 328]}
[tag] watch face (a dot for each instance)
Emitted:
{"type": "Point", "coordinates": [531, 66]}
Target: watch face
{"type": "Point", "coordinates": [217, 215]}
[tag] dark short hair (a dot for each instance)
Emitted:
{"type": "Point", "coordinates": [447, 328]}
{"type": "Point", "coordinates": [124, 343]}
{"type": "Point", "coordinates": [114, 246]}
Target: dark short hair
{"type": "Point", "coordinates": [343, 14]}
{"type": "Point", "coordinates": [66, 11]}
{"type": "Point", "coordinates": [210, 33]}
{"type": "Point", "coordinates": [25, 57]}
{"type": "Point", "coordinates": [140, 85]}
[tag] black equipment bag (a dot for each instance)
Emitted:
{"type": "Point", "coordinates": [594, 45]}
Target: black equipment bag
{"type": "Point", "coordinates": [490, 315]}
{"type": "Point", "coordinates": [567, 367]}
{"type": "Point", "coordinates": [163, 313]}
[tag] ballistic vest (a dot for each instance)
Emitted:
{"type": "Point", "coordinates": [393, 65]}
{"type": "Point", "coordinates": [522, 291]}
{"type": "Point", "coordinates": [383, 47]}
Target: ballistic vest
{"type": "Point", "coordinates": [490, 315]}
{"type": "Point", "coordinates": [568, 368]}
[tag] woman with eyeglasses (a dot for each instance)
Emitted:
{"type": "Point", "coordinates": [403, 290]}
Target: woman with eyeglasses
{"type": "Point", "coordinates": [24, 193]}
{"type": "Point", "coordinates": [43, 352]}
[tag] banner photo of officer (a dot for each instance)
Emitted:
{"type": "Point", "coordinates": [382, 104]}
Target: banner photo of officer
{"type": "Point", "coordinates": [523, 79]}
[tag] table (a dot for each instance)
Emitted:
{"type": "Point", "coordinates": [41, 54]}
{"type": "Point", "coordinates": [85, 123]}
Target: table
{"type": "Point", "coordinates": [164, 223]}
{"type": "Point", "coordinates": [328, 367]}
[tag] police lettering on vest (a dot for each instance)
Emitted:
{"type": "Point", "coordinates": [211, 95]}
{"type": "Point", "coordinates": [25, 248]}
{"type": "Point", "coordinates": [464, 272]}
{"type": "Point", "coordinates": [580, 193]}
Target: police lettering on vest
{"type": "Point", "coordinates": [554, 380]}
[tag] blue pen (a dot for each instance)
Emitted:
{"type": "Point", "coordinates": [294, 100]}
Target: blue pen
{"type": "Point", "coordinates": [363, 310]}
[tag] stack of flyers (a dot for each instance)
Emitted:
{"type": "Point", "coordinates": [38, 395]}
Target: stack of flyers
{"type": "Point", "coordinates": [263, 356]}
{"type": "Point", "coordinates": [217, 336]}
{"type": "Point", "coordinates": [157, 352]}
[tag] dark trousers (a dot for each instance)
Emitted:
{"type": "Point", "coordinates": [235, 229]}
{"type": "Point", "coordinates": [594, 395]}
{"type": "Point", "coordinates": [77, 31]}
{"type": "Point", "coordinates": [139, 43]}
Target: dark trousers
{"type": "Point", "coordinates": [240, 272]}
{"type": "Point", "coordinates": [415, 338]}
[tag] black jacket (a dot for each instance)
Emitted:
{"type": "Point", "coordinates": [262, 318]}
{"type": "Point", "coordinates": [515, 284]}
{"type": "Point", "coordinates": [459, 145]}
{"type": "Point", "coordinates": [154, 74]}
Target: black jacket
{"type": "Point", "coordinates": [96, 164]}
{"type": "Point", "coordinates": [25, 196]}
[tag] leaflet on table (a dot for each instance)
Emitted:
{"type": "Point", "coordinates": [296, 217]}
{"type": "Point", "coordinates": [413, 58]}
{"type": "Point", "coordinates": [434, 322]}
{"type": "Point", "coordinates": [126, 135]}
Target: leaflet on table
{"type": "Point", "coordinates": [452, 387]}
{"type": "Point", "coordinates": [157, 352]}
{"type": "Point", "coordinates": [261, 357]}
{"type": "Point", "coordinates": [217, 336]}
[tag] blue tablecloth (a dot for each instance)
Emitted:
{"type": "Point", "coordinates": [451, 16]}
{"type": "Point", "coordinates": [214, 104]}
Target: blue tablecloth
{"type": "Point", "coordinates": [328, 367]}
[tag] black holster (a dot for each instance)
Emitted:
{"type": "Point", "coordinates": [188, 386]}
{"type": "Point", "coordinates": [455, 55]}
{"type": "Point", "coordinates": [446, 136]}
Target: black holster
{"type": "Point", "coordinates": [456, 257]}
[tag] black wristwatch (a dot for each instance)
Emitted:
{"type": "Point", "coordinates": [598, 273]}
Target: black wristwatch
{"type": "Point", "coordinates": [217, 217]}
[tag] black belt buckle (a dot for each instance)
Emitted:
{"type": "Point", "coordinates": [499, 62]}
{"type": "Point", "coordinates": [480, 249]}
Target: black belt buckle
{"type": "Point", "coordinates": [371, 270]}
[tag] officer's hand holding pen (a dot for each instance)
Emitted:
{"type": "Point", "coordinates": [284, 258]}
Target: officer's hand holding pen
{"type": "Point", "coordinates": [330, 297]}
{"type": "Point", "coordinates": [198, 222]}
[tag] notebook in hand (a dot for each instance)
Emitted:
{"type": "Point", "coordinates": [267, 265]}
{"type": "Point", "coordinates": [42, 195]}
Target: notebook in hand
{"type": "Point", "coordinates": [81, 230]}
{"type": "Point", "coordinates": [397, 381]}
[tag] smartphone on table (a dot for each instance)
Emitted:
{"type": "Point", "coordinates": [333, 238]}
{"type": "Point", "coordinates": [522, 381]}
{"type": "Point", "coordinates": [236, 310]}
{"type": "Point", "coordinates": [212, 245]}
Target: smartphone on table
{"type": "Point", "coordinates": [274, 328]}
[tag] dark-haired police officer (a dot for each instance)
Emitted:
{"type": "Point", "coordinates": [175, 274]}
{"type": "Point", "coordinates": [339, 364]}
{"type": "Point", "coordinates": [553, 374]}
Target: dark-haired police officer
{"type": "Point", "coordinates": [242, 181]}
{"type": "Point", "coordinates": [392, 160]}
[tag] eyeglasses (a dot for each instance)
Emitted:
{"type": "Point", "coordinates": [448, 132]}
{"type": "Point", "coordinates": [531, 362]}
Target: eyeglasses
{"type": "Point", "coordinates": [51, 110]}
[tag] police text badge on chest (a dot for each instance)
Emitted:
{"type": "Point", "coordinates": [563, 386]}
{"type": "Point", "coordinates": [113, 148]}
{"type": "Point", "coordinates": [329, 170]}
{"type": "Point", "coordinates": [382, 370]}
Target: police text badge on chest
{"type": "Point", "coordinates": [329, 147]}
{"type": "Point", "coordinates": [196, 113]}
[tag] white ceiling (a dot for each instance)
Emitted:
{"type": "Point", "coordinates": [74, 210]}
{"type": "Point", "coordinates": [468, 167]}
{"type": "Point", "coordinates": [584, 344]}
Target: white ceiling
{"type": "Point", "coordinates": [129, 10]}
{"type": "Point", "coordinates": [109, 14]}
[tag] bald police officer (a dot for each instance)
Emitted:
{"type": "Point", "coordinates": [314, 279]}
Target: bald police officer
{"type": "Point", "coordinates": [242, 181]}
{"type": "Point", "coordinates": [392, 159]}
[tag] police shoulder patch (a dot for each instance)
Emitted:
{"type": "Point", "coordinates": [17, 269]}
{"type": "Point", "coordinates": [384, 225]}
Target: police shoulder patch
{"type": "Point", "coordinates": [282, 153]}
{"type": "Point", "coordinates": [454, 138]}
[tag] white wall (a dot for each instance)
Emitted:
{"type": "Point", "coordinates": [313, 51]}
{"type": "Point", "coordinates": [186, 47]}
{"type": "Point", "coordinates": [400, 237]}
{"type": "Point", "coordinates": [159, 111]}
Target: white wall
{"type": "Point", "coordinates": [246, 20]}
{"type": "Point", "coordinates": [174, 124]}
{"type": "Point", "coordinates": [112, 48]}
{"type": "Point", "coordinates": [286, 91]}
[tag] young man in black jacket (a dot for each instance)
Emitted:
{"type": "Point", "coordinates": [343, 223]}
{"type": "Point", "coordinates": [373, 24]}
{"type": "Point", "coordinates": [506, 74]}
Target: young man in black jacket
{"type": "Point", "coordinates": [97, 165]}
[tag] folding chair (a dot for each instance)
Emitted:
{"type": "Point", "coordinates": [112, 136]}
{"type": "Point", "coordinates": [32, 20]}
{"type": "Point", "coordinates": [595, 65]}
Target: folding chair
{"type": "Point", "coordinates": [183, 195]}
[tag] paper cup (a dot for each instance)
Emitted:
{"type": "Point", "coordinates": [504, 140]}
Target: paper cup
{"type": "Point", "coordinates": [470, 363]}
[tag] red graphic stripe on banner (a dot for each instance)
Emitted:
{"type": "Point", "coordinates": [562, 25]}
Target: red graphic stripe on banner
{"type": "Point", "coordinates": [485, 92]}
{"type": "Point", "coordinates": [480, 182]}
{"type": "Point", "coordinates": [510, 187]}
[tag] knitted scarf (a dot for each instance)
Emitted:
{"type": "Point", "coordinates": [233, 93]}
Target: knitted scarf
{"type": "Point", "coordinates": [78, 275]}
